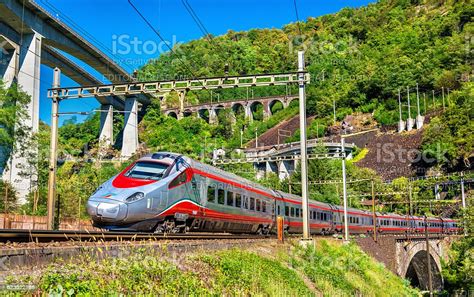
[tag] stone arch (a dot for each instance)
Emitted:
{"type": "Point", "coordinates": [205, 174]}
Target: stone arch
{"type": "Point", "coordinates": [256, 108]}
{"type": "Point", "coordinates": [204, 114]}
{"type": "Point", "coordinates": [293, 102]}
{"type": "Point", "coordinates": [238, 109]}
{"type": "Point", "coordinates": [219, 108]}
{"type": "Point", "coordinates": [187, 113]}
{"type": "Point", "coordinates": [173, 114]}
{"type": "Point", "coordinates": [275, 106]}
{"type": "Point", "coordinates": [416, 266]}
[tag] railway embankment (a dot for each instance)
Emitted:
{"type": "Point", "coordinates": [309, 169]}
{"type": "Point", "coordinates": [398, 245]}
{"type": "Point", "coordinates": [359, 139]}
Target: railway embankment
{"type": "Point", "coordinates": [248, 267]}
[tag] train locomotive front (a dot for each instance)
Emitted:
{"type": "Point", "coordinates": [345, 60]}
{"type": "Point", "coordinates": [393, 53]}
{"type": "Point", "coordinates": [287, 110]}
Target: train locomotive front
{"type": "Point", "coordinates": [133, 199]}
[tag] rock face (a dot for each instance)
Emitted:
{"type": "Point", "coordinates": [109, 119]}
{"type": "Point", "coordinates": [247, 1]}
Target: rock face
{"type": "Point", "coordinates": [270, 137]}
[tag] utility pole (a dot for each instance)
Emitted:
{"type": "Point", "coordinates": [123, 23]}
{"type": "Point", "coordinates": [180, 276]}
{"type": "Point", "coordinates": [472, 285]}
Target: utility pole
{"type": "Point", "coordinates": [256, 138]}
{"type": "Point", "coordinates": [53, 150]}
{"type": "Point", "coordinates": [409, 120]}
{"type": "Point", "coordinates": [410, 199]}
{"type": "Point", "coordinates": [344, 190]}
{"type": "Point", "coordinates": [463, 196]}
{"type": "Point", "coordinates": [241, 137]}
{"type": "Point", "coordinates": [401, 123]}
{"type": "Point", "coordinates": [304, 159]}
{"type": "Point", "coordinates": [428, 258]}
{"type": "Point", "coordinates": [374, 216]}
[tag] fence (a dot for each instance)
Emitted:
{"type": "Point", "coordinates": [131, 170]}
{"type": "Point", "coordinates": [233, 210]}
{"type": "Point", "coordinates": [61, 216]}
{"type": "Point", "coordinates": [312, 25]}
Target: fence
{"type": "Point", "coordinates": [15, 221]}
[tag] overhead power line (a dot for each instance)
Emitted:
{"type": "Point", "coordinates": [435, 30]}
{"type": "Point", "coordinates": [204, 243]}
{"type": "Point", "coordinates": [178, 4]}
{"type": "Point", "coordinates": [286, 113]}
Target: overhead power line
{"type": "Point", "coordinates": [297, 16]}
{"type": "Point", "coordinates": [163, 40]}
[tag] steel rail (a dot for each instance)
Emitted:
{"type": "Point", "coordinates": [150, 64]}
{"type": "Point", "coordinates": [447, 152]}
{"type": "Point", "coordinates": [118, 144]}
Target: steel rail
{"type": "Point", "coordinates": [15, 235]}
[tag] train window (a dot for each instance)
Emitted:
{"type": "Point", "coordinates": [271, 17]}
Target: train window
{"type": "Point", "coordinates": [246, 202]}
{"type": "Point", "coordinates": [325, 215]}
{"type": "Point", "coordinates": [264, 206]}
{"type": "Point", "coordinates": [147, 170]}
{"type": "Point", "coordinates": [238, 200]}
{"type": "Point", "coordinates": [252, 203]}
{"type": "Point", "coordinates": [287, 211]}
{"type": "Point", "coordinates": [211, 193]}
{"type": "Point", "coordinates": [310, 214]}
{"type": "Point", "coordinates": [278, 209]}
{"type": "Point", "coordinates": [297, 212]}
{"type": "Point", "coordinates": [220, 196]}
{"type": "Point", "coordinates": [258, 205]}
{"type": "Point", "coordinates": [230, 198]}
{"type": "Point", "coordinates": [292, 214]}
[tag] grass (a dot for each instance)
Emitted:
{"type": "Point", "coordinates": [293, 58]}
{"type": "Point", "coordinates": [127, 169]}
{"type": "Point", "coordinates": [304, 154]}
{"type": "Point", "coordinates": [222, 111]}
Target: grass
{"type": "Point", "coordinates": [244, 273]}
{"type": "Point", "coordinates": [328, 269]}
{"type": "Point", "coordinates": [343, 270]}
{"type": "Point", "coordinates": [361, 155]}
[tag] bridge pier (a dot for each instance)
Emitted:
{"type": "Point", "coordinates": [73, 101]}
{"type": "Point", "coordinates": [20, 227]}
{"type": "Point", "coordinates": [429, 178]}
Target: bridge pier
{"type": "Point", "coordinates": [248, 112]}
{"type": "Point", "coordinates": [266, 110]}
{"type": "Point", "coordinates": [213, 116]}
{"type": "Point", "coordinates": [26, 62]}
{"type": "Point", "coordinates": [10, 60]}
{"type": "Point", "coordinates": [106, 137]}
{"type": "Point", "coordinates": [407, 256]}
{"type": "Point", "coordinates": [130, 129]}
{"type": "Point", "coordinates": [285, 168]}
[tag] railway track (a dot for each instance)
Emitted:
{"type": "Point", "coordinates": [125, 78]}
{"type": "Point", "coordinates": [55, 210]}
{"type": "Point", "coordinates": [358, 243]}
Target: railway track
{"type": "Point", "coordinates": [12, 235]}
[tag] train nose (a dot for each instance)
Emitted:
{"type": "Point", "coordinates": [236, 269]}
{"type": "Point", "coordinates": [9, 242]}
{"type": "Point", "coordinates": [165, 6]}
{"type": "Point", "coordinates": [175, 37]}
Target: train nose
{"type": "Point", "coordinates": [107, 211]}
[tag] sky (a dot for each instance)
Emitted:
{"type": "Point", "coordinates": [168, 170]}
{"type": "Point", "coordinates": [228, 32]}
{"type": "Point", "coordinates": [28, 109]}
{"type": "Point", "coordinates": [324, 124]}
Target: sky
{"type": "Point", "coordinates": [116, 29]}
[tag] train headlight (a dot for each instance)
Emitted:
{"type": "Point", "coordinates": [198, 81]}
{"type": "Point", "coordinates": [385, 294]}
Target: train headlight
{"type": "Point", "coordinates": [135, 197]}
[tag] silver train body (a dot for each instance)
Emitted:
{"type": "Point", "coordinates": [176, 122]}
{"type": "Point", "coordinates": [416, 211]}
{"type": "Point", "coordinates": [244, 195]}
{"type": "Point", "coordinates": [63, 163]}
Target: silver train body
{"type": "Point", "coordinates": [168, 192]}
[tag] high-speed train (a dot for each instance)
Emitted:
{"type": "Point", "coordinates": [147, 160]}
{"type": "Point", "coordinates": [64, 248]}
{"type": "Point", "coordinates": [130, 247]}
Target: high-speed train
{"type": "Point", "coordinates": [168, 192]}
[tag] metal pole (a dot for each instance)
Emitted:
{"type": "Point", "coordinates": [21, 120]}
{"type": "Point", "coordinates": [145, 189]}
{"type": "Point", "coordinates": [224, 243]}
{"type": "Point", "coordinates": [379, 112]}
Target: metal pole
{"type": "Point", "coordinates": [344, 191]}
{"type": "Point", "coordinates": [256, 138]}
{"type": "Point", "coordinates": [463, 197]}
{"type": "Point", "coordinates": [400, 105]}
{"type": "Point", "coordinates": [374, 216]}
{"type": "Point", "coordinates": [53, 150]}
{"type": "Point", "coordinates": [241, 137]}
{"type": "Point", "coordinates": [428, 258]}
{"type": "Point", "coordinates": [410, 199]}
{"type": "Point", "coordinates": [408, 94]}
{"type": "Point", "coordinates": [417, 100]}
{"type": "Point", "coordinates": [304, 159]}
{"type": "Point", "coordinates": [442, 89]}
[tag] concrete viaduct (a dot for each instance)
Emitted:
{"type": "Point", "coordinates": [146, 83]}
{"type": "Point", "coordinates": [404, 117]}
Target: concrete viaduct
{"type": "Point", "coordinates": [29, 37]}
{"type": "Point", "coordinates": [210, 111]}
{"type": "Point", "coordinates": [407, 256]}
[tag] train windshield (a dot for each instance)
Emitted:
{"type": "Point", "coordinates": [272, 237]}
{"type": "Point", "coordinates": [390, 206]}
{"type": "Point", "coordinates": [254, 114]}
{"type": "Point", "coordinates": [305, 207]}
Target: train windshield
{"type": "Point", "coordinates": [147, 170]}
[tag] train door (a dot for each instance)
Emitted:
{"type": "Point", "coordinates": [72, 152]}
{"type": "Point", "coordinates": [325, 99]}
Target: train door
{"type": "Point", "coordinates": [277, 208]}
